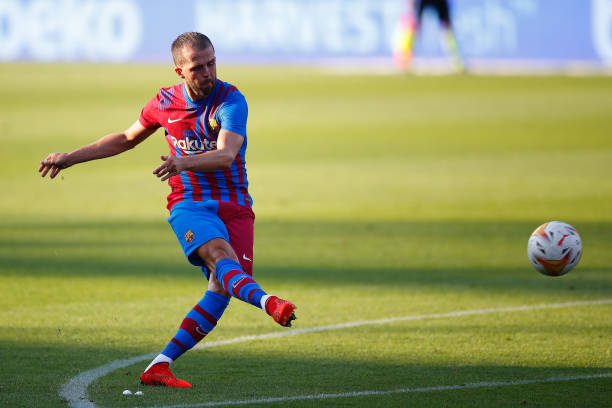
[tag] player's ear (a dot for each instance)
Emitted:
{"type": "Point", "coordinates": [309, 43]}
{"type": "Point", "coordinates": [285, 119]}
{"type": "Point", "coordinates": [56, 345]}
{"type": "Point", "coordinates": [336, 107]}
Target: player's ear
{"type": "Point", "coordinates": [179, 72]}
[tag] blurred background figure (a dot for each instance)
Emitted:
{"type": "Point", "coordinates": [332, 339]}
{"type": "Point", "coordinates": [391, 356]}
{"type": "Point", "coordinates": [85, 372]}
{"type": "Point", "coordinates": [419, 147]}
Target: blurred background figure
{"type": "Point", "coordinates": [410, 26]}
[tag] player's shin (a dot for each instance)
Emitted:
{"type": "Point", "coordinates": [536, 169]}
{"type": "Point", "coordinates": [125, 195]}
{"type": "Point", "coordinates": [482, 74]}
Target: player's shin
{"type": "Point", "coordinates": [200, 321]}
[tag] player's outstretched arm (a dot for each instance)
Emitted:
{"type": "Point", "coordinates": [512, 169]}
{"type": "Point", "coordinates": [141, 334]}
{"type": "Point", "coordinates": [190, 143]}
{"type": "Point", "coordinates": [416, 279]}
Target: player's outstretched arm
{"type": "Point", "coordinates": [228, 146]}
{"type": "Point", "coordinates": [106, 146]}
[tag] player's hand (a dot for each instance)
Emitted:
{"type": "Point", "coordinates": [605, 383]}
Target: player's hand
{"type": "Point", "coordinates": [54, 163]}
{"type": "Point", "coordinates": [171, 166]}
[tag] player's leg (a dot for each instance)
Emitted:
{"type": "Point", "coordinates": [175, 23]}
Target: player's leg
{"type": "Point", "coordinates": [200, 321]}
{"type": "Point", "coordinates": [194, 225]}
{"type": "Point", "coordinates": [220, 257]}
{"type": "Point", "coordinates": [419, 7]}
{"type": "Point", "coordinates": [443, 10]}
{"type": "Point", "coordinates": [239, 222]}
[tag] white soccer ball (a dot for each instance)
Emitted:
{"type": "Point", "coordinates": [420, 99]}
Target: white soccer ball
{"type": "Point", "coordinates": [554, 248]}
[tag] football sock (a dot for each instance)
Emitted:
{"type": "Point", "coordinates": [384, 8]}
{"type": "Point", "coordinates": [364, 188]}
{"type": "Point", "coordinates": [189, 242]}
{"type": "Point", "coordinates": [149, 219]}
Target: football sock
{"type": "Point", "coordinates": [262, 302]}
{"type": "Point", "coordinates": [159, 359]}
{"type": "Point", "coordinates": [198, 323]}
{"type": "Point", "coordinates": [240, 285]}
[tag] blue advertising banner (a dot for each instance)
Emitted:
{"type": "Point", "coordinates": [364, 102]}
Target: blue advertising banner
{"type": "Point", "coordinates": [556, 31]}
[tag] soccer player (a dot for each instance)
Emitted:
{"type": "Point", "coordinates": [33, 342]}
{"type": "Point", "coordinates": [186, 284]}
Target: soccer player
{"type": "Point", "coordinates": [410, 28]}
{"type": "Point", "coordinates": [204, 121]}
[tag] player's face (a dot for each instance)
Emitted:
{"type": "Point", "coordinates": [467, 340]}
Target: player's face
{"type": "Point", "coordinates": [199, 71]}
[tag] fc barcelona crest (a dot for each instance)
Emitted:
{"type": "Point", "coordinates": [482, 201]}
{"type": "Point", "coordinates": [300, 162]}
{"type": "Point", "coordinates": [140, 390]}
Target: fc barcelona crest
{"type": "Point", "coordinates": [213, 125]}
{"type": "Point", "coordinates": [189, 236]}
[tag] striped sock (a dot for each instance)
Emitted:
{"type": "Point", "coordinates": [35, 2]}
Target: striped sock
{"type": "Point", "coordinates": [240, 285]}
{"type": "Point", "coordinates": [197, 324]}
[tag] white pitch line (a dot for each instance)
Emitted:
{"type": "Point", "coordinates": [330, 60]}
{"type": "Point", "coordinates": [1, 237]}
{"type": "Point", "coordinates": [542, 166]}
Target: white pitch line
{"type": "Point", "coordinates": [399, 391]}
{"type": "Point", "coordinates": [75, 390]}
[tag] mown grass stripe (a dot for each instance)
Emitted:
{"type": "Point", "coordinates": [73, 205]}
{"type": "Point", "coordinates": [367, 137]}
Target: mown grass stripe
{"type": "Point", "coordinates": [75, 390]}
{"type": "Point", "coordinates": [487, 384]}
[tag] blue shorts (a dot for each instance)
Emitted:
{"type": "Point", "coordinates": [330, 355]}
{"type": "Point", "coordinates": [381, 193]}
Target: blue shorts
{"type": "Point", "coordinates": [197, 222]}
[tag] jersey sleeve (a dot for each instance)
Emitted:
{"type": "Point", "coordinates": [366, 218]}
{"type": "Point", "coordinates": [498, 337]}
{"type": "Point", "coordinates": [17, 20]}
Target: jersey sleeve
{"type": "Point", "coordinates": [149, 114]}
{"type": "Point", "coordinates": [233, 114]}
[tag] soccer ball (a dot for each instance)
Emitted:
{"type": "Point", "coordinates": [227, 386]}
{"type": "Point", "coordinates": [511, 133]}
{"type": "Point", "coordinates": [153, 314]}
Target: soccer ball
{"type": "Point", "coordinates": [554, 248]}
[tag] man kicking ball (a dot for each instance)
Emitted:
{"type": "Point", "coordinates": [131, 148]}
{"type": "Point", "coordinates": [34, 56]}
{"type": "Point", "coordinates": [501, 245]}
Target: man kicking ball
{"type": "Point", "coordinates": [204, 121]}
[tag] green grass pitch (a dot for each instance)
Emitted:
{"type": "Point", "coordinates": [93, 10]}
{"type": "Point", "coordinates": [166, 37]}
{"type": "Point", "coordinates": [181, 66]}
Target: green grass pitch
{"type": "Point", "coordinates": [376, 197]}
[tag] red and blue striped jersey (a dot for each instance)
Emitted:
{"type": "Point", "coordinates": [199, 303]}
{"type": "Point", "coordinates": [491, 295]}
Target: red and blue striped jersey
{"type": "Point", "coordinates": [192, 128]}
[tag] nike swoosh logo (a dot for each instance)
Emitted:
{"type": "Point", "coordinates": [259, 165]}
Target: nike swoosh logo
{"type": "Point", "coordinates": [175, 120]}
{"type": "Point", "coordinates": [235, 285]}
{"type": "Point", "coordinates": [246, 259]}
